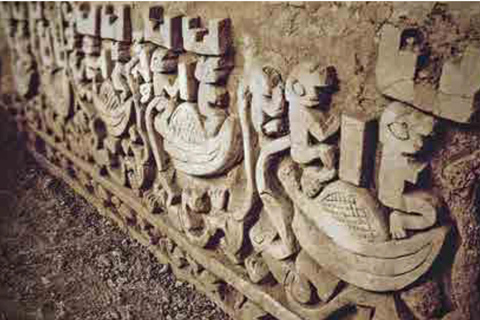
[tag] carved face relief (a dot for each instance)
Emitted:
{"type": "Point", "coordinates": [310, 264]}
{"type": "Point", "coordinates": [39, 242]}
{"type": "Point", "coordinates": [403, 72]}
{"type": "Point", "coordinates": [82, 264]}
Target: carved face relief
{"type": "Point", "coordinates": [268, 98]}
{"type": "Point", "coordinates": [265, 82]}
{"type": "Point", "coordinates": [213, 69]}
{"type": "Point", "coordinates": [163, 61]}
{"type": "Point", "coordinates": [404, 130]}
{"type": "Point", "coordinates": [311, 85]}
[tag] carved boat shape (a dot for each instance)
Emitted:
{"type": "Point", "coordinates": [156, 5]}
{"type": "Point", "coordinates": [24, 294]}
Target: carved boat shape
{"type": "Point", "coordinates": [191, 149]}
{"type": "Point", "coordinates": [344, 232]}
{"type": "Point", "coordinates": [115, 113]}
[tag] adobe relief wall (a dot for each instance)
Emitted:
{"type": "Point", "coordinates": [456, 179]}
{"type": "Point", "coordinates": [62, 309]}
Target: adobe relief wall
{"type": "Point", "coordinates": [292, 160]}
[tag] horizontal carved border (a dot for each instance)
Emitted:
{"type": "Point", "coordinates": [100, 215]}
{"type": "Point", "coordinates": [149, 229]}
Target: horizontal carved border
{"type": "Point", "coordinates": [234, 276]}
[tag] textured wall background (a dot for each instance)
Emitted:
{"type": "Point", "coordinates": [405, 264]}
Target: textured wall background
{"type": "Point", "coordinates": [285, 34]}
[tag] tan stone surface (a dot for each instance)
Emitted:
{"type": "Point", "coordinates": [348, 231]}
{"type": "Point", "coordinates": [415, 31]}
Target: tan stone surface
{"type": "Point", "coordinates": [226, 137]}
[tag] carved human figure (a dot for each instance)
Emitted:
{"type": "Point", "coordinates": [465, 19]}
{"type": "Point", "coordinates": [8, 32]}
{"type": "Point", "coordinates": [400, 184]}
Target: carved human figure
{"type": "Point", "coordinates": [212, 102]}
{"type": "Point", "coordinates": [268, 116]}
{"type": "Point", "coordinates": [403, 134]}
{"type": "Point", "coordinates": [138, 71]}
{"type": "Point", "coordinates": [120, 56]}
{"type": "Point", "coordinates": [268, 102]}
{"type": "Point", "coordinates": [309, 89]}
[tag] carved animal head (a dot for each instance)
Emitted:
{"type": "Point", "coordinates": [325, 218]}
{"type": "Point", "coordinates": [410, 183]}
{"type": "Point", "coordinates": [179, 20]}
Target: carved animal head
{"type": "Point", "coordinates": [311, 85]}
{"type": "Point", "coordinates": [403, 129]}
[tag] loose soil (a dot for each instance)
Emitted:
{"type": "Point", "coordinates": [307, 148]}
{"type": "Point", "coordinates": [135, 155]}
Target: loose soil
{"type": "Point", "coordinates": [60, 259]}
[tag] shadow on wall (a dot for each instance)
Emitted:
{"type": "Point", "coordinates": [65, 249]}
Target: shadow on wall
{"type": "Point", "coordinates": [12, 156]}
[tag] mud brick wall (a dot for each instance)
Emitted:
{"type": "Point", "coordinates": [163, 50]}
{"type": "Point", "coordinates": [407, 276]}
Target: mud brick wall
{"type": "Point", "coordinates": [292, 160]}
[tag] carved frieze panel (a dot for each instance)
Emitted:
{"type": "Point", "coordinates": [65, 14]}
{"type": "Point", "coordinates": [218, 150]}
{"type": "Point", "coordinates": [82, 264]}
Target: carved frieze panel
{"type": "Point", "coordinates": [249, 180]}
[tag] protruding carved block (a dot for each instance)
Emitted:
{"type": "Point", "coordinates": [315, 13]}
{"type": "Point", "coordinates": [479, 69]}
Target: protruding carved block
{"type": "Point", "coordinates": [212, 40]}
{"type": "Point", "coordinates": [87, 18]}
{"type": "Point", "coordinates": [457, 97]}
{"type": "Point", "coordinates": [399, 76]}
{"type": "Point", "coordinates": [186, 80]}
{"type": "Point", "coordinates": [163, 30]}
{"type": "Point", "coordinates": [308, 112]}
{"type": "Point", "coordinates": [37, 10]}
{"type": "Point", "coordinates": [115, 22]}
{"type": "Point", "coordinates": [183, 83]}
{"type": "Point", "coordinates": [20, 11]}
{"type": "Point", "coordinates": [163, 61]}
{"type": "Point", "coordinates": [395, 68]}
{"type": "Point", "coordinates": [213, 69]}
{"type": "Point", "coordinates": [6, 12]}
{"type": "Point", "coordinates": [356, 148]}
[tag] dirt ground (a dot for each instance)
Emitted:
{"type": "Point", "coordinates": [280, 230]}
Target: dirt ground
{"type": "Point", "coordinates": [60, 259]}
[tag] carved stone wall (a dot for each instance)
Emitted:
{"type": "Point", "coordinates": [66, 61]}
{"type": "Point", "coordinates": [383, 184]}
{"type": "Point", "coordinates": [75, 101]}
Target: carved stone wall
{"type": "Point", "coordinates": [292, 160]}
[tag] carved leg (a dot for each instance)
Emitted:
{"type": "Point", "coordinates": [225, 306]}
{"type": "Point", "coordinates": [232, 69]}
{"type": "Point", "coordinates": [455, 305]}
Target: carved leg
{"type": "Point", "coordinates": [422, 207]}
{"type": "Point", "coordinates": [281, 213]}
{"type": "Point", "coordinates": [314, 179]}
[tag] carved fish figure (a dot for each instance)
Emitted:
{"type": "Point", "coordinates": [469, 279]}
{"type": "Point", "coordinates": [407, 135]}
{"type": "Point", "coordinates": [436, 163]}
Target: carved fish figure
{"type": "Point", "coordinates": [115, 113]}
{"type": "Point", "coordinates": [345, 231]}
{"type": "Point", "coordinates": [191, 149]}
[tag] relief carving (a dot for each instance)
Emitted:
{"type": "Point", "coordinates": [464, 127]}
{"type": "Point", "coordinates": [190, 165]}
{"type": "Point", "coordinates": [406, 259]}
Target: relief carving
{"type": "Point", "coordinates": [403, 74]}
{"type": "Point", "coordinates": [212, 39]}
{"type": "Point", "coordinates": [87, 18]}
{"type": "Point", "coordinates": [357, 149]}
{"type": "Point", "coordinates": [163, 30]}
{"type": "Point", "coordinates": [403, 134]}
{"type": "Point", "coordinates": [308, 90]}
{"type": "Point", "coordinates": [273, 198]}
{"type": "Point", "coordinates": [268, 114]}
{"type": "Point", "coordinates": [116, 23]}
{"type": "Point", "coordinates": [203, 128]}
{"type": "Point", "coordinates": [18, 36]}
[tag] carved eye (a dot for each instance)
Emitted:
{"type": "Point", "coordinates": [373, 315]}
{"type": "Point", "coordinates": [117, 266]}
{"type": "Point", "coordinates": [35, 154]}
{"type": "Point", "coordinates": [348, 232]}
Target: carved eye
{"type": "Point", "coordinates": [298, 88]}
{"type": "Point", "coordinates": [399, 130]}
